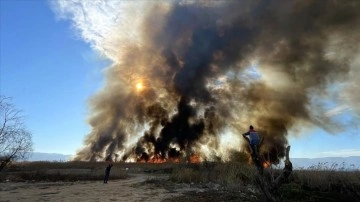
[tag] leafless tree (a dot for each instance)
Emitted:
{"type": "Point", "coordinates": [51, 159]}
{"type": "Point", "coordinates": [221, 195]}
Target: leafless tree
{"type": "Point", "coordinates": [15, 139]}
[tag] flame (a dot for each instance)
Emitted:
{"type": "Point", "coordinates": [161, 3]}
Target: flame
{"type": "Point", "coordinates": [174, 160]}
{"type": "Point", "coordinates": [266, 164]}
{"type": "Point", "coordinates": [194, 158]}
{"type": "Point", "coordinates": [157, 159]}
{"type": "Point", "coordinates": [141, 161]}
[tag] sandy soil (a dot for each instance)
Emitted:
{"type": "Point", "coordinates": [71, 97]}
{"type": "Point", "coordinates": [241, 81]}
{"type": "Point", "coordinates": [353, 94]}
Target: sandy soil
{"type": "Point", "coordinates": [138, 187]}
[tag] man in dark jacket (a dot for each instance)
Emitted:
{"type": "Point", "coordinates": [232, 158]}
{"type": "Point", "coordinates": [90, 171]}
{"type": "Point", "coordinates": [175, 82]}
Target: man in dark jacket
{"type": "Point", "coordinates": [107, 173]}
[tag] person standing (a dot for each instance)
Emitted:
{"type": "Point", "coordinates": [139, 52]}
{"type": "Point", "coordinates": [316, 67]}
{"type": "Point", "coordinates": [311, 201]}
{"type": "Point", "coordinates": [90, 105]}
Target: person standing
{"type": "Point", "coordinates": [107, 173]}
{"type": "Point", "coordinates": [253, 138]}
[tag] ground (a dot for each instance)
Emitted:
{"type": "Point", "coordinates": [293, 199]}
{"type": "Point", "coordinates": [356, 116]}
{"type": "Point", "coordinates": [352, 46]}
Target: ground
{"type": "Point", "coordinates": [137, 187]}
{"type": "Point", "coordinates": [168, 182]}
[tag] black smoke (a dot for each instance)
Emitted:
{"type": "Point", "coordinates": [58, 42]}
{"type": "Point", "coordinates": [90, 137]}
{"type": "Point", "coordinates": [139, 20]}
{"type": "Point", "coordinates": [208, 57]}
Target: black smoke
{"type": "Point", "coordinates": [195, 58]}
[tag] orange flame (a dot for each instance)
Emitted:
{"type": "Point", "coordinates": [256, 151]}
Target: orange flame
{"type": "Point", "coordinates": [174, 160]}
{"type": "Point", "coordinates": [266, 164]}
{"type": "Point", "coordinates": [194, 158]}
{"type": "Point", "coordinates": [157, 159]}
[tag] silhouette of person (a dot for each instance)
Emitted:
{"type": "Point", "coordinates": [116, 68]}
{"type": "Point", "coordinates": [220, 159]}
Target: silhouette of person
{"type": "Point", "coordinates": [107, 173]}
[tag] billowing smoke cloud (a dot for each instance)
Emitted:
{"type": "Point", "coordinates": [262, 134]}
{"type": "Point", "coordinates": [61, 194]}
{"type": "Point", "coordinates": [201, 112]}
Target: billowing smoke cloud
{"type": "Point", "coordinates": [205, 71]}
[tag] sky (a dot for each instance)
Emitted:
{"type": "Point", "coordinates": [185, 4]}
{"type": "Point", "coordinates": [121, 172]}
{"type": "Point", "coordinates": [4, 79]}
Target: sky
{"type": "Point", "coordinates": [50, 71]}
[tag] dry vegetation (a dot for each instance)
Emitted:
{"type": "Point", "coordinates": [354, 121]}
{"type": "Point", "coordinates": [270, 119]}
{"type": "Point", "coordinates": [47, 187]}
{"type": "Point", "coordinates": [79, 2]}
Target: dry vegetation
{"type": "Point", "coordinates": [316, 183]}
{"type": "Point", "coordinates": [56, 171]}
{"type": "Point", "coordinates": [218, 181]}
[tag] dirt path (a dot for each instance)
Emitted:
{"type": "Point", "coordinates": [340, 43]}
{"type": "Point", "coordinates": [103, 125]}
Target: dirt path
{"type": "Point", "coordinates": [135, 188]}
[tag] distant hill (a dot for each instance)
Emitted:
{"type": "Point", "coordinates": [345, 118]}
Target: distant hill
{"type": "Point", "coordinates": [39, 156]}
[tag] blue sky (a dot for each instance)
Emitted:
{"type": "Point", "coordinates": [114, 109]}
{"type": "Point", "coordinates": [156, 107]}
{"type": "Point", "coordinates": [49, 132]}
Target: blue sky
{"type": "Point", "coordinates": [51, 72]}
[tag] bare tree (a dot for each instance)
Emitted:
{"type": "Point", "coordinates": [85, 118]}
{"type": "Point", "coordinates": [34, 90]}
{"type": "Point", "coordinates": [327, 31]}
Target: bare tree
{"type": "Point", "coordinates": [15, 139]}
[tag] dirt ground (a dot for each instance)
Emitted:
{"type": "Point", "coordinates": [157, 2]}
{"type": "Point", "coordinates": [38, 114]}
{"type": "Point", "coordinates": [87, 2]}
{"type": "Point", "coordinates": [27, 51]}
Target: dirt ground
{"type": "Point", "coordinates": [138, 187]}
{"type": "Point", "coordinates": [132, 189]}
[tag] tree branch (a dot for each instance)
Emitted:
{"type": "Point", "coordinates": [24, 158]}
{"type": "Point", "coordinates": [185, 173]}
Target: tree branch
{"type": "Point", "coordinates": [270, 189]}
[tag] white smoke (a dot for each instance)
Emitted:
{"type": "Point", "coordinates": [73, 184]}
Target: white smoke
{"type": "Point", "coordinates": [106, 25]}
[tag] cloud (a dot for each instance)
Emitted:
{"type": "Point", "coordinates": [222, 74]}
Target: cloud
{"type": "Point", "coordinates": [105, 25]}
{"type": "Point", "coordinates": [337, 110]}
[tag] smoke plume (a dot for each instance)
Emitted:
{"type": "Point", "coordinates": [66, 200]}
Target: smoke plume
{"type": "Point", "coordinates": [190, 77]}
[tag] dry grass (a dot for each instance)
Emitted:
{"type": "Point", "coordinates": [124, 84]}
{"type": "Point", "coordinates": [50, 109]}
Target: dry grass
{"type": "Point", "coordinates": [317, 183]}
{"type": "Point", "coordinates": [325, 182]}
{"type": "Point", "coordinates": [58, 171]}
{"type": "Point", "coordinates": [314, 184]}
{"type": "Point", "coordinates": [222, 173]}
{"type": "Point", "coordinates": [76, 170]}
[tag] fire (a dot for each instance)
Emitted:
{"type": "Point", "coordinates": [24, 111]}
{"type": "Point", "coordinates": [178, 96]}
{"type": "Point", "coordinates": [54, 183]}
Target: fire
{"type": "Point", "coordinates": [174, 160]}
{"type": "Point", "coordinates": [157, 159]}
{"type": "Point", "coordinates": [266, 164]}
{"type": "Point", "coordinates": [141, 161]}
{"type": "Point", "coordinates": [194, 158]}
